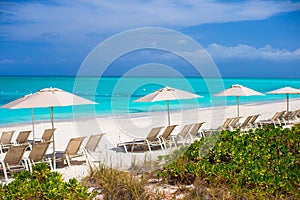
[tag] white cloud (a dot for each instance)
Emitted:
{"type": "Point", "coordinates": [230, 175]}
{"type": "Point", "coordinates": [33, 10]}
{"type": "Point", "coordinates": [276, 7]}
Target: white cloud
{"type": "Point", "coordinates": [73, 20]}
{"type": "Point", "coordinates": [6, 61]}
{"type": "Point", "coordinates": [243, 51]}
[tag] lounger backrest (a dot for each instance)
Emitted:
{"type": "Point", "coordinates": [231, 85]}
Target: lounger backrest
{"type": "Point", "coordinates": [226, 123]}
{"type": "Point", "coordinates": [280, 115]}
{"type": "Point", "coordinates": [196, 128]}
{"type": "Point", "coordinates": [287, 115]}
{"type": "Point", "coordinates": [153, 133]}
{"type": "Point", "coordinates": [23, 137]}
{"type": "Point", "coordinates": [275, 116]}
{"type": "Point", "coordinates": [185, 130]}
{"type": "Point", "coordinates": [93, 142]}
{"type": "Point", "coordinates": [253, 119]}
{"type": "Point", "coordinates": [14, 155]}
{"type": "Point", "coordinates": [38, 151]}
{"type": "Point", "coordinates": [298, 113]}
{"type": "Point", "coordinates": [295, 113]}
{"type": "Point", "coordinates": [246, 122]}
{"type": "Point", "coordinates": [234, 122]}
{"type": "Point", "coordinates": [47, 135]}
{"type": "Point", "coordinates": [74, 145]}
{"type": "Point", "coordinates": [6, 137]}
{"type": "Point", "coordinates": [167, 132]}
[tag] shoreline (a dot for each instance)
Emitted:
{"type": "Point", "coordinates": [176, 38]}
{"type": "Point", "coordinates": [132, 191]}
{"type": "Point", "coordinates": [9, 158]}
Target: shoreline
{"type": "Point", "coordinates": [137, 114]}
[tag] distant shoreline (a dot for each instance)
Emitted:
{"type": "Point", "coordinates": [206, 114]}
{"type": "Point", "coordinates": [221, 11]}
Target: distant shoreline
{"type": "Point", "coordinates": [137, 114]}
{"type": "Point", "coordinates": [127, 76]}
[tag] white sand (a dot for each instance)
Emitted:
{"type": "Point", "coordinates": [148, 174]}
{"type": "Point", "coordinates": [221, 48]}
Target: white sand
{"type": "Point", "coordinates": [125, 127]}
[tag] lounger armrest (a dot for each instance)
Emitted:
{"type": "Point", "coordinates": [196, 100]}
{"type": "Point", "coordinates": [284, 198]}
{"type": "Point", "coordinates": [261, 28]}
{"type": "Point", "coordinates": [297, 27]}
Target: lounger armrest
{"type": "Point", "coordinates": [139, 140]}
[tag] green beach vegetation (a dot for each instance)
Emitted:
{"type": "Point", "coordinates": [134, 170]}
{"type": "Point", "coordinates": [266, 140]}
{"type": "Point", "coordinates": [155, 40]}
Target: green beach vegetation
{"type": "Point", "coordinates": [261, 164]}
{"type": "Point", "coordinates": [43, 184]}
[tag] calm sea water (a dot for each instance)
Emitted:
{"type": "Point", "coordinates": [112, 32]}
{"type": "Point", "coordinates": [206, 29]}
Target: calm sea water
{"type": "Point", "coordinates": [116, 95]}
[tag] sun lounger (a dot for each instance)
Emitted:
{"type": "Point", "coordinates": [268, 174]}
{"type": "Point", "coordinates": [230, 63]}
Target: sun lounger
{"type": "Point", "coordinates": [194, 131]}
{"type": "Point", "coordinates": [244, 126]}
{"type": "Point", "coordinates": [284, 119]}
{"type": "Point", "coordinates": [12, 162]}
{"type": "Point", "coordinates": [234, 124]}
{"type": "Point", "coordinates": [275, 120]}
{"type": "Point", "coordinates": [37, 155]}
{"type": "Point", "coordinates": [23, 137]}
{"type": "Point", "coordinates": [226, 124]}
{"type": "Point", "coordinates": [5, 140]}
{"type": "Point", "coordinates": [252, 122]}
{"type": "Point", "coordinates": [182, 136]}
{"type": "Point", "coordinates": [294, 117]}
{"type": "Point", "coordinates": [73, 150]}
{"type": "Point", "coordinates": [47, 135]}
{"type": "Point", "coordinates": [166, 136]}
{"type": "Point", "coordinates": [93, 142]}
{"type": "Point", "coordinates": [290, 117]}
{"type": "Point", "coordinates": [280, 118]}
{"type": "Point", "coordinates": [149, 141]}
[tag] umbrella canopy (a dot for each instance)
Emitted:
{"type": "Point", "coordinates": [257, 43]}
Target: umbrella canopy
{"type": "Point", "coordinates": [48, 97]}
{"type": "Point", "coordinates": [238, 91]}
{"type": "Point", "coordinates": [167, 94]}
{"type": "Point", "coordinates": [286, 91]}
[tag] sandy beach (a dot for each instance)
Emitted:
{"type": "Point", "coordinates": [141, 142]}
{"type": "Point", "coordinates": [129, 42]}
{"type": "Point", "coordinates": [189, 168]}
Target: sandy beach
{"type": "Point", "coordinates": [124, 128]}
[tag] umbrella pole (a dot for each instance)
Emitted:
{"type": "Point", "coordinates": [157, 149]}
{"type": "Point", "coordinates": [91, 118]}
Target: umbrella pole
{"type": "Point", "coordinates": [287, 103]}
{"type": "Point", "coordinates": [52, 120]}
{"type": "Point", "coordinates": [33, 133]}
{"type": "Point", "coordinates": [168, 106]}
{"type": "Point", "coordinates": [238, 105]}
{"type": "Point", "coordinates": [53, 154]}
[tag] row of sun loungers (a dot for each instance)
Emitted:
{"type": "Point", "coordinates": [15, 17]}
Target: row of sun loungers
{"type": "Point", "coordinates": [6, 139]}
{"type": "Point", "coordinates": [154, 139]}
{"type": "Point", "coordinates": [22, 138]}
{"type": "Point", "coordinates": [189, 132]}
{"type": "Point", "coordinates": [17, 158]}
{"type": "Point", "coordinates": [282, 118]}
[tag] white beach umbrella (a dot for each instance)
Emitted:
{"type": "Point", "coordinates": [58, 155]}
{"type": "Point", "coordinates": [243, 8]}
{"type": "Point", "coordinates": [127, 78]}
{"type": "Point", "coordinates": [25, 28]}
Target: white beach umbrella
{"type": "Point", "coordinates": [238, 91]}
{"type": "Point", "coordinates": [48, 97]}
{"type": "Point", "coordinates": [167, 94]}
{"type": "Point", "coordinates": [286, 91]}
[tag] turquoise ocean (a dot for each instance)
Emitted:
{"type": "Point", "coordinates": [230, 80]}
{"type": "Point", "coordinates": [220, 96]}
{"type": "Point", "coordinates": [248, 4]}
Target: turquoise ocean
{"type": "Point", "coordinates": [116, 95]}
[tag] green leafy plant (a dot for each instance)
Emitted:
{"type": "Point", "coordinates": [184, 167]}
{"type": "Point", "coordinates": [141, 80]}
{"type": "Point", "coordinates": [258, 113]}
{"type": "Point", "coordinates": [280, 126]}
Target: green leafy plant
{"type": "Point", "coordinates": [261, 164]}
{"type": "Point", "coordinates": [43, 184]}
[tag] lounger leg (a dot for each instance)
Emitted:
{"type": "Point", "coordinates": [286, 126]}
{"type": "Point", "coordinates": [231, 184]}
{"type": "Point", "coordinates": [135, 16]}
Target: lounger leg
{"type": "Point", "coordinates": [86, 158]}
{"type": "Point", "coordinates": [132, 148]}
{"type": "Point", "coordinates": [27, 164]}
{"type": "Point", "coordinates": [148, 144]}
{"type": "Point", "coordinates": [68, 160]}
{"type": "Point", "coordinates": [4, 171]}
{"type": "Point", "coordinates": [174, 141]}
{"type": "Point", "coordinates": [50, 163]}
{"type": "Point", "coordinates": [162, 140]}
{"type": "Point", "coordinates": [125, 148]}
{"type": "Point", "coordinates": [162, 143]}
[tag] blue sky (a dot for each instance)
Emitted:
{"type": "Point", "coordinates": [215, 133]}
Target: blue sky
{"type": "Point", "coordinates": [244, 38]}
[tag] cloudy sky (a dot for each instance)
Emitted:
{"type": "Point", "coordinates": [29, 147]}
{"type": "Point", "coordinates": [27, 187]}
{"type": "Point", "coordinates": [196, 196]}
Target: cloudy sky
{"type": "Point", "coordinates": [244, 38]}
